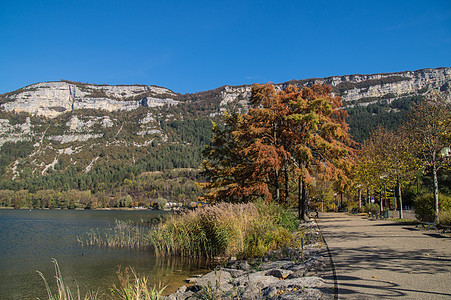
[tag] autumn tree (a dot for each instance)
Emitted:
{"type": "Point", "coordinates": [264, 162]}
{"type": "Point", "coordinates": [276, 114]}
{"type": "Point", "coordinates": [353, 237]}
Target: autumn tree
{"type": "Point", "coordinates": [322, 143]}
{"type": "Point", "coordinates": [429, 127]}
{"type": "Point", "coordinates": [287, 135]}
{"type": "Point", "coordinates": [387, 160]}
{"type": "Point", "coordinates": [226, 166]}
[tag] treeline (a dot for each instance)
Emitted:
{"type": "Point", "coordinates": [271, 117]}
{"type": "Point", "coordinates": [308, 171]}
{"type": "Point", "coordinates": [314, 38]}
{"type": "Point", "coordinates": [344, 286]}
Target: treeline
{"type": "Point", "coordinates": [145, 190]}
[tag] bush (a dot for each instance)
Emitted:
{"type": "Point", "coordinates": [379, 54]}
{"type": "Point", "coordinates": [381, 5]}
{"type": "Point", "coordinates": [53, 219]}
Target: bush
{"type": "Point", "coordinates": [425, 204]}
{"type": "Point", "coordinates": [371, 208]}
{"type": "Point", "coordinates": [445, 217]}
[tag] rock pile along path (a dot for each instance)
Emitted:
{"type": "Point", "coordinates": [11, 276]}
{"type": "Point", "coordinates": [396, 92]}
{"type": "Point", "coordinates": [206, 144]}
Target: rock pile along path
{"type": "Point", "coordinates": [383, 259]}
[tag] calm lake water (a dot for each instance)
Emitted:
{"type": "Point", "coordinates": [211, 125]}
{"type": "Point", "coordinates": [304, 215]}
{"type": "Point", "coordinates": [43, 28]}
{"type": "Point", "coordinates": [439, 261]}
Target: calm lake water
{"type": "Point", "coordinates": [30, 239]}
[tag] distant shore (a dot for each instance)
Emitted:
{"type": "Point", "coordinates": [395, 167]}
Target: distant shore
{"type": "Point", "coordinates": [103, 208]}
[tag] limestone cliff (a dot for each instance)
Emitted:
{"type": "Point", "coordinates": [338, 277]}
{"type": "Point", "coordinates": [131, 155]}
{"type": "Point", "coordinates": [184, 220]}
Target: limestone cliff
{"type": "Point", "coordinates": [361, 88]}
{"type": "Point", "coordinates": [51, 99]}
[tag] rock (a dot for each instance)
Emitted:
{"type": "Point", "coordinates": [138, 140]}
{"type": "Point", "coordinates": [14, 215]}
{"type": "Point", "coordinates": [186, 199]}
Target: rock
{"type": "Point", "coordinates": [244, 266]}
{"type": "Point", "coordinates": [258, 279]}
{"type": "Point", "coordinates": [191, 280]}
{"type": "Point", "coordinates": [219, 279]}
{"type": "Point", "coordinates": [269, 292]}
{"type": "Point", "coordinates": [181, 289]}
{"type": "Point", "coordinates": [234, 272]}
{"type": "Point", "coordinates": [300, 272]}
{"type": "Point", "coordinates": [280, 279]}
{"type": "Point", "coordinates": [304, 294]}
{"type": "Point", "coordinates": [280, 264]}
{"type": "Point", "coordinates": [181, 294]}
{"type": "Point", "coordinates": [299, 283]}
{"type": "Point", "coordinates": [279, 273]}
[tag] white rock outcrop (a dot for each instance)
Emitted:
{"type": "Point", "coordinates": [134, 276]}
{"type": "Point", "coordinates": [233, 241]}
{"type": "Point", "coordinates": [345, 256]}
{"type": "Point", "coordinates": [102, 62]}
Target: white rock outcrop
{"type": "Point", "coordinates": [398, 84]}
{"type": "Point", "coordinates": [51, 99]}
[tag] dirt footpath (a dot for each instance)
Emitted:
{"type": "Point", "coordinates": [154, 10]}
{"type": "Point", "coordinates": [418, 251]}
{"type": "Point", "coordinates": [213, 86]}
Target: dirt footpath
{"type": "Point", "coordinates": [383, 259]}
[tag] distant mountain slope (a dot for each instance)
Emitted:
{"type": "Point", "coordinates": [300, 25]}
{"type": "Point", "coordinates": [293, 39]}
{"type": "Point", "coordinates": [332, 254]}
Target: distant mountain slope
{"type": "Point", "coordinates": [78, 135]}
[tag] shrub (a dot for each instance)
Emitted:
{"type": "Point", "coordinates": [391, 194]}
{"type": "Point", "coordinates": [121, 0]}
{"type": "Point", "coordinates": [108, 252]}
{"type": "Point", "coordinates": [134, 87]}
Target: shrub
{"type": "Point", "coordinates": [445, 217]}
{"type": "Point", "coordinates": [425, 204]}
{"type": "Point", "coordinates": [371, 208]}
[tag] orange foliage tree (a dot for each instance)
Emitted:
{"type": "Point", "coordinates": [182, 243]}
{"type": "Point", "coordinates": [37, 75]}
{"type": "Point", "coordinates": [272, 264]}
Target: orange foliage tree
{"type": "Point", "coordinates": [287, 136]}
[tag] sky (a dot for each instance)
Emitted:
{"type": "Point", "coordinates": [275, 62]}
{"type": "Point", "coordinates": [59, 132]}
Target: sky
{"type": "Point", "coordinates": [192, 46]}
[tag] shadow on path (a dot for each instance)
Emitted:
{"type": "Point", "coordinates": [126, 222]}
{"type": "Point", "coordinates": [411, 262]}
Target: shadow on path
{"type": "Point", "coordinates": [383, 259]}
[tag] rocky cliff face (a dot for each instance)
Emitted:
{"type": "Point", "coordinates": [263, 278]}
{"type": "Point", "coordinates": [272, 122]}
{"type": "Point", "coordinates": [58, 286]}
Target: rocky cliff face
{"type": "Point", "coordinates": [362, 88]}
{"type": "Point", "coordinates": [51, 99]}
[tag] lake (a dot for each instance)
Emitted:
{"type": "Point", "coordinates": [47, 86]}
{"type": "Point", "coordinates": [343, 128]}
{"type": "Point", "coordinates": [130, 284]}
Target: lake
{"type": "Point", "coordinates": [29, 239]}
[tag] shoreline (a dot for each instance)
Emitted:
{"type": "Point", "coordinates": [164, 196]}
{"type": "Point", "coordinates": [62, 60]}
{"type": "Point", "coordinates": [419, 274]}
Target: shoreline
{"type": "Point", "coordinates": [82, 209]}
{"type": "Point", "coordinates": [293, 273]}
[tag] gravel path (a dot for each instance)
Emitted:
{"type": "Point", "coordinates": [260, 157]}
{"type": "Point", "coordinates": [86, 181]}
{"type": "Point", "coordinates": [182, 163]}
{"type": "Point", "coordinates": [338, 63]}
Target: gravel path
{"type": "Point", "coordinates": [386, 260]}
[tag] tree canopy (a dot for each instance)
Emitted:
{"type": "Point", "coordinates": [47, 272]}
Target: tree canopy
{"type": "Point", "coordinates": [287, 136]}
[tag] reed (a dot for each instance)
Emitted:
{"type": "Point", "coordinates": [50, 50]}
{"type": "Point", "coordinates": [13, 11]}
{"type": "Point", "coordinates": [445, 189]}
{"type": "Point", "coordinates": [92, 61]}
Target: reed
{"type": "Point", "coordinates": [242, 230]}
{"type": "Point", "coordinates": [131, 287]}
{"type": "Point", "coordinates": [124, 234]}
{"type": "Point", "coordinates": [64, 292]}
{"type": "Point", "coordinates": [222, 230]}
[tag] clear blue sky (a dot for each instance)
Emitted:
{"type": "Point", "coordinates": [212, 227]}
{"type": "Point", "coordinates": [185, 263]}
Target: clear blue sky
{"type": "Point", "coordinates": [190, 46]}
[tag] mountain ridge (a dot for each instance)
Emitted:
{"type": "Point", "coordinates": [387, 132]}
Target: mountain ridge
{"type": "Point", "coordinates": [53, 98]}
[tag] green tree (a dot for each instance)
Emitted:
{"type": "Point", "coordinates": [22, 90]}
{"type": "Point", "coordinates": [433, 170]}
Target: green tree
{"type": "Point", "coordinates": [429, 125]}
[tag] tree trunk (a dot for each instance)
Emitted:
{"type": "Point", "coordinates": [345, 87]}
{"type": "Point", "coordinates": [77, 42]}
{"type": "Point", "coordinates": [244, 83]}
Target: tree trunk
{"type": "Point", "coordinates": [381, 209]}
{"type": "Point", "coordinates": [341, 200]}
{"type": "Point", "coordinates": [401, 214]}
{"type": "Point", "coordinates": [385, 199]}
{"type": "Point", "coordinates": [287, 188]}
{"type": "Point", "coordinates": [304, 216]}
{"type": "Point", "coordinates": [277, 187]}
{"type": "Point", "coordinates": [434, 174]}
{"type": "Point", "coordinates": [299, 198]}
{"type": "Point", "coordinates": [360, 199]}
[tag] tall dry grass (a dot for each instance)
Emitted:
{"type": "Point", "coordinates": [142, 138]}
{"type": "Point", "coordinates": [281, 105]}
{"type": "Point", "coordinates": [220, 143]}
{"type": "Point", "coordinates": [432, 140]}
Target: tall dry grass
{"type": "Point", "coordinates": [131, 287]}
{"type": "Point", "coordinates": [225, 229]}
{"type": "Point", "coordinates": [63, 291]}
{"type": "Point", "coordinates": [243, 230]}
